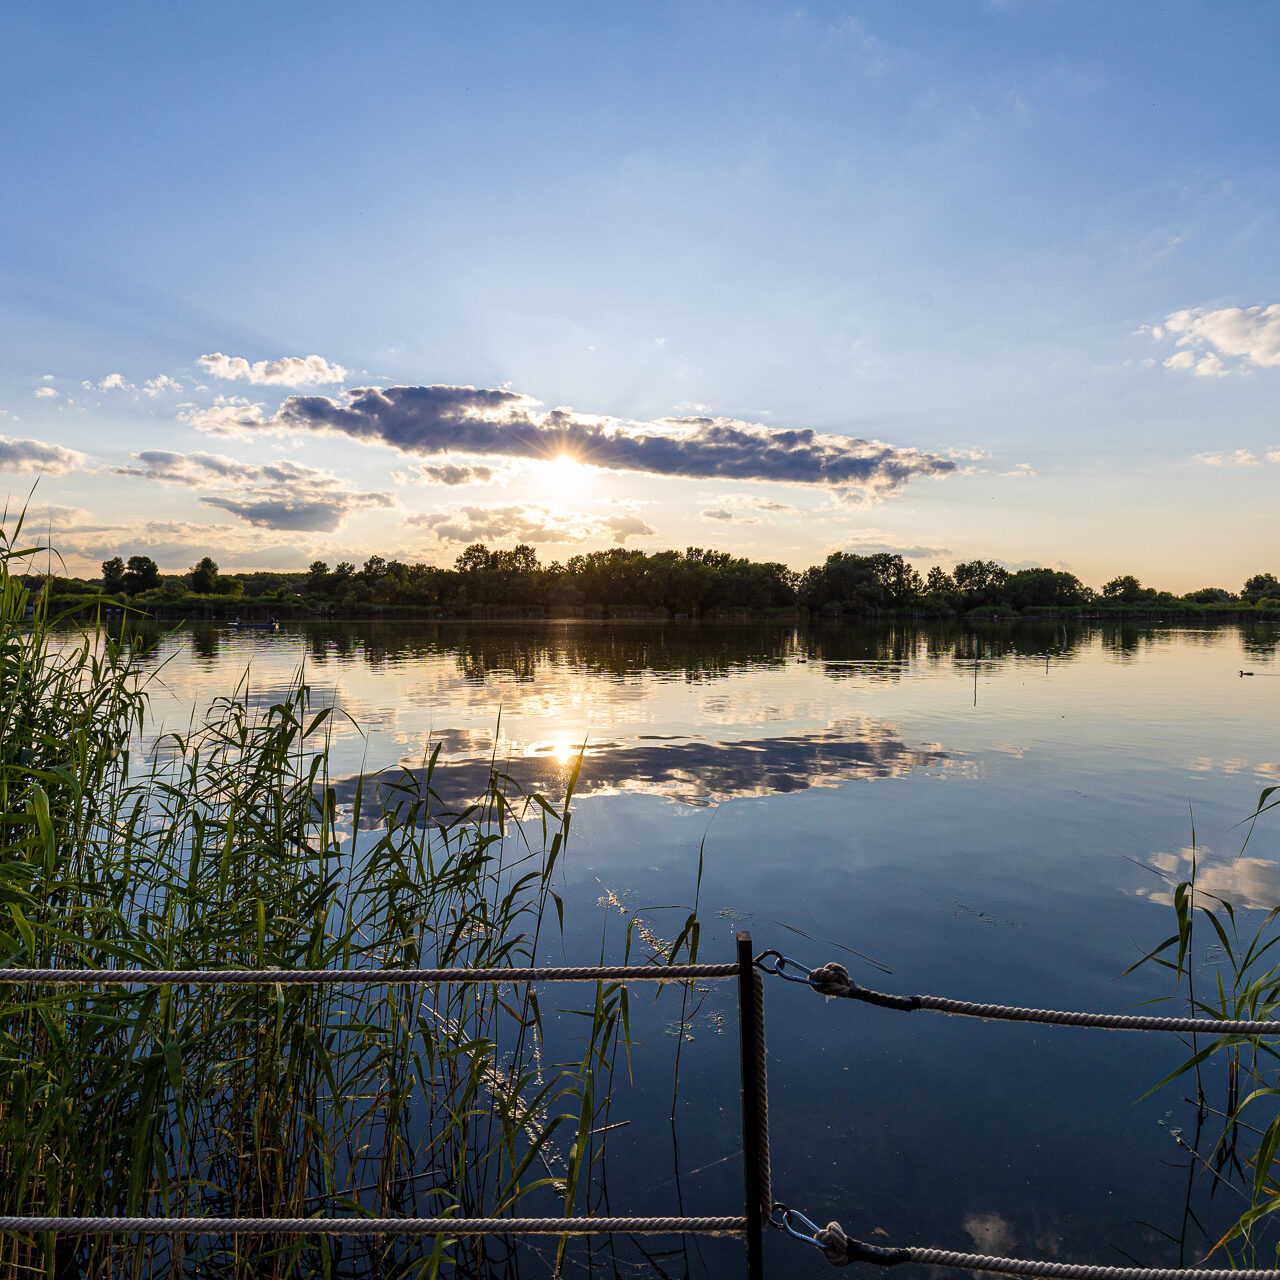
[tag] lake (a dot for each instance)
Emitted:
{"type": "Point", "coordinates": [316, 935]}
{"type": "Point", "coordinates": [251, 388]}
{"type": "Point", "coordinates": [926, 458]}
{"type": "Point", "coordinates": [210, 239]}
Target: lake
{"type": "Point", "coordinates": [995, 815]}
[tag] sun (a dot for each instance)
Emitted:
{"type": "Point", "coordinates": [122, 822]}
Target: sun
{"type": "Point", "coordinates": [565, 479]}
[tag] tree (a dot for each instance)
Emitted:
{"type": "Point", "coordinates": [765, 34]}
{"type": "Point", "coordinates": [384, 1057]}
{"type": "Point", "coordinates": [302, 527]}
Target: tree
{"type": "Point", "coordinates": [1210, 595]}
{"type": "Point", "coordinates": [113, 575]}
{"type": "Point", "coordinates": [981, 582]}
{"type": "Point", "coordinates": [141, 574]}
{"type": "Point", "coordinates": [318, 577]}
{"type": "Point", "coordinates": [1044, 589]}
{"type": "Point", "coordinates": [1127, 589]}
{"type": "Point", "coordinates": [1259, 587]}
{"type": "Point", "coordinates": [475, 559]}
{"type": "Point", "coordinates": [204, 577]}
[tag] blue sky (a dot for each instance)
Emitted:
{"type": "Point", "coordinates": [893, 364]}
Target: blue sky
{"type": "Point", "coordinates": [959, 280]}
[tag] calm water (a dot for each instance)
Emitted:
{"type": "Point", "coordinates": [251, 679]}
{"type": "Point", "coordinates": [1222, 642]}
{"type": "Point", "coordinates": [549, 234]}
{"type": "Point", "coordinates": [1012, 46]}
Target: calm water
{"type": "Point", "coordinates": [998, 817]}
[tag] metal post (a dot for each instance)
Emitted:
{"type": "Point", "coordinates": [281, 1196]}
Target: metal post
{"type": "Point", "coordinates": [755, 1104]}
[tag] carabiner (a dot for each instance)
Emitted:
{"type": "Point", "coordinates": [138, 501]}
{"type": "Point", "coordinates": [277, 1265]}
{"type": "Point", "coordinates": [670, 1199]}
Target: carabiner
{"type": "Point", "coordinates": [785, 1224]}
{"type": "Point", "coordinates": [780, 966]}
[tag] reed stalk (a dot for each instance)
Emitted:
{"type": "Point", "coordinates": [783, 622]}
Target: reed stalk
{"type": "Point", "coordinates": [225, 846]}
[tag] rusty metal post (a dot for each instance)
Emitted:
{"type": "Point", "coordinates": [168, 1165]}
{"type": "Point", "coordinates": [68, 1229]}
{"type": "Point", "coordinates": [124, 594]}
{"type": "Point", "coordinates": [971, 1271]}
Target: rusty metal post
{"type": "Point", "coordinates": [755, 1105]}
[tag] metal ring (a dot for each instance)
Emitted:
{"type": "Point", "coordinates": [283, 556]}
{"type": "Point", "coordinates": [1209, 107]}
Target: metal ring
{"type": "Point", "coordinates": [780, 966]}
{"type": "Point", "coordinates": [785, 1224]}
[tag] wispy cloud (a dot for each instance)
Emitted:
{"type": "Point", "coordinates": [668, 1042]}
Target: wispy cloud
{"type": "Point", "coordinates": [28, 457]}
{"type": "Point", "coordinates": [288, 371]}
{"type": "Point", "coordinates": [448, 474]}
{"type": "Point", "coordinates": [749, 500]}
{"type": "Point", "coordinates": [527, 522]}
{"type": "Point", "coordinates": [276, 509]}
{"type": "Point", "coordinates": [46, 393]}
{"type": "Point", "coordinates": [727, 516]}
{"type": "Point", "coordinates": [275, 495]}
{"type": "Point", "coordinates": [1250, 335]}
{"type": "Point", "coordinates": [488, 422]}
{"type": "Point", "coordinates": [1238, 458]}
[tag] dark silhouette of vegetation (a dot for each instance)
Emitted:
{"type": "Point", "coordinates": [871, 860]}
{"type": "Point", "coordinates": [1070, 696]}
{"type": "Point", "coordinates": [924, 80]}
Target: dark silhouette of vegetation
{"type": "Point", "coordinates": [696, 583]}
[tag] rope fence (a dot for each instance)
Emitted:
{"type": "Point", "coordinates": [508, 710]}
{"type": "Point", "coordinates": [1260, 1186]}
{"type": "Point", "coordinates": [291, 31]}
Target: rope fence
{"type": "Point", "coordinates": [840, 1250]}
{"type": "Point", "coordinates": [831, 980]}
{"type": "Point", "coordinates": [356, 977]}
{"type": "Point", "coordinates": [376, 1226]}
{"type": "Point", "coordinates": [834, 980]}
{"type": "Point", "coordinates": [747, 1225]}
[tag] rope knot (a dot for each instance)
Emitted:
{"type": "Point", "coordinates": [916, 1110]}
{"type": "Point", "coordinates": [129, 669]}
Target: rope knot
{"type": "Point", "coordinates": [831, 980]}
{"type": "Point", "coordinates": [834, 1242]}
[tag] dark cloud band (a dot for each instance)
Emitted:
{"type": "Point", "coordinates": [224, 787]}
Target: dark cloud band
{"type": "Point", "coordinates": [441, 419]}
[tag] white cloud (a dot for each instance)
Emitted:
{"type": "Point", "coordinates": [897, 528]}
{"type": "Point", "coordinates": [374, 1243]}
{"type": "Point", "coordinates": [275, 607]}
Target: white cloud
{"type": "Point", "coordinates": [229, 416]}
{"type": "Point", "coordinates": [288, 371]}
{"type": "Point", "coordinates": [28, 457]}
{"type": "Point", "coordinates": [162, 382]}
{"type": "Point", "coordinates": [1240, 458]}
{"type": "Point", "coordinates": [46, 393]}
{"type": "Point", "coordinates": [112, 382]}
{"type": "Point", "coordinates": [1249, 334]}
{"type": "Point", "coordinates": [526, 522]}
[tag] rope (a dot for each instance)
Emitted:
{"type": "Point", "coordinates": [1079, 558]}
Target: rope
{"type": "Point", "coordinates": [834, 980]}
{"type": "Point", "coordinates": [840, 1251]}
{"type": "Point", "coordinates": [375, 1226]}
{"type": "Point", "coordinates": [353, 977]}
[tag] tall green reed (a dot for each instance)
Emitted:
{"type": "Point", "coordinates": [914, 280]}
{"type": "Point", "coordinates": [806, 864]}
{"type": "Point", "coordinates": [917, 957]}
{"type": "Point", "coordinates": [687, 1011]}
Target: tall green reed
{"type": "Point", "coordinates": [226, 847]}
{"type": "Point", "coordinates": [1244, 969]}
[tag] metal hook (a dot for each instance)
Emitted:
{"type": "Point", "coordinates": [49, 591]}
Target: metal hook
{"type": "Point", "coordinates": [785, 1224]}
{"type": "Point", "coordinates": [780, 966]}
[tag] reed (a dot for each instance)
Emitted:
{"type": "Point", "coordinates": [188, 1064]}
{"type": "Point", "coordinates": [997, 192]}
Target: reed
{"type": "Point", "coordinates": [225, 846]}
{"type": "Point", "coordinates": [1236, 1139]}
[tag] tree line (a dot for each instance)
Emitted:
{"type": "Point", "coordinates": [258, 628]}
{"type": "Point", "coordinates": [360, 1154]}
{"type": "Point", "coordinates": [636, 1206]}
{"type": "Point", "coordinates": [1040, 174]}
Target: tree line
{"type": "Point", "coordinates": [693, 583]}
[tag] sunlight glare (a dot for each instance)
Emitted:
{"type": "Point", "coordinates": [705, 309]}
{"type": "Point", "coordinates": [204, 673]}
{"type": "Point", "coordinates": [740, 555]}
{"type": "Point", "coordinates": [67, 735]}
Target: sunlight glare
{"type": "Point", "coordinates": [566, 478]}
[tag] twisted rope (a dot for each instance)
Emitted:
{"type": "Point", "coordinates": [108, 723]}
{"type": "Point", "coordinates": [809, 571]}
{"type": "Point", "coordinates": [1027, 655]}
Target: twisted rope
{"type": "Point", "coordinates": [355, 977]}
{"type": "Point", "coordinates": [374, 1226]}
{"type": "Point", "coordinates": [834, 980]}
{"type": "Point", "coordinates": [840, 1250]}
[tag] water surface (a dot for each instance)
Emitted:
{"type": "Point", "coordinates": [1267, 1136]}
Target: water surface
{"type": "Point", "coordinates": [996, 816]}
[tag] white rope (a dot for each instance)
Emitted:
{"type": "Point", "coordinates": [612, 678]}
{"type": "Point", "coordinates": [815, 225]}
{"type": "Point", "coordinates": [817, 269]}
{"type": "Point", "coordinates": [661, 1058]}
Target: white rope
{"type": "Point", "coordinates": [356, 977]}
{"type": "Point", "coordinates": [834, 980]}
{"type": "Point", "coordinates": [373, 1226]}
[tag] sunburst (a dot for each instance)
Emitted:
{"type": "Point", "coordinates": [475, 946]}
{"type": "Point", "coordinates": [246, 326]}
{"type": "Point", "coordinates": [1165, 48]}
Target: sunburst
{"type": "Point", "coordinates": [565, 479]}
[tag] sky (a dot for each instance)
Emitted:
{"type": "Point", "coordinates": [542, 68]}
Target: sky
{"type": "Point", "coordinates": [991, 279]}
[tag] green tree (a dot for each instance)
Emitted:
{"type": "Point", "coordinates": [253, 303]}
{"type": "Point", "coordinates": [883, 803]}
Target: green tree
{"type": "Point", "coordinates": [981, 582]}
{"type": "Point", "coordinates": [1259, 587]}
{"type": "Point", "coordinates": [204, 577]}
{"type": "Point", "coordinates": [113, 575]}
{"type": "Point", "coordinates": [475, 559]}
{"type": "Point", "coordinates": [317, 577]}
{"type": "Point", "coordinates": [1127, 589]}
{"type": "Point", "coordinates": [1210, 595]}
{"type": "Point", "coordinates": [141, 574]}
